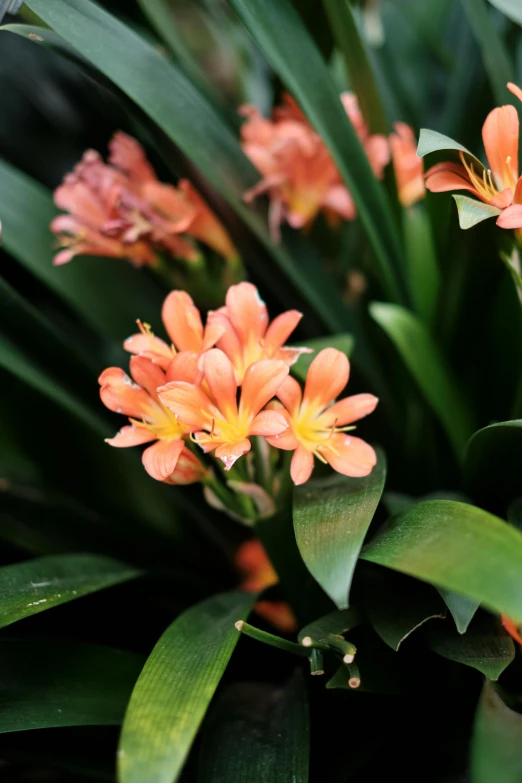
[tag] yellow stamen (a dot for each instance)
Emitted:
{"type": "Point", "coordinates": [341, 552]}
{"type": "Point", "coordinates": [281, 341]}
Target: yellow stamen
{"type": "Point", "coordinates": [483, 185]}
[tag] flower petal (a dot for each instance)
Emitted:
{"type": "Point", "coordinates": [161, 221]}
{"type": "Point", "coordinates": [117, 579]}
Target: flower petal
{"type": "Point", "coordinates": [219, 375]}
{"type": "Point", "coordinates": [154, 348]}
{"type": "Point", "coordinates": [302, 465]}
{"type": "Point", "coordinates": [503, 199]}
{"type": "Point", "coordinates": [184, 367]}
{"type": "Point", "coordinates": [261, 382]}
{"type": "Point", "coordinates": [188, 403]}
{"type": "Point", "coordinates": [515, 90]}
{"type": "Point", "coordinates": [327, 376]}
{"type": "Point", "coordinates": [146, 374]}
{"type": "Point", "coordinates": [120, 394]}
{"type": "Point", "coordinates": [280, 330]}
{"type": "Point", "coordinates": [228, 453]}
{"type": "Point", "coordinates": [350, 456]}
{"type": "Point", "coordinates": [130, 436]}
{"type": "Point", "coordinates": [349, 409]}
{"type": "Point", "coordinates": [247, 312]}
{"type": "Point", "coordinates": [290, 394]}
{"type": "Point", "coordinates": [500, 137]}
{"type": "Point", "coordinates": [511, 217]}
{"type": "Point", "coordinates": [183, 321]}
{"type": "Point", "coordinates": [160, 459]}
{"type": "Point", "coordinates": [268, 423]}
{"type": "Point", "coordinates": [127, 155]}
{"type": "Point", "coordinates": [448, 176]}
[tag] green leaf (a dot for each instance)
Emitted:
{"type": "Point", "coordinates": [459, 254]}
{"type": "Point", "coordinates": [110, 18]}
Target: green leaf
{"type": "Point", "coordinates": [485, 646]}
{"type": "Point", "coordinates": [423, 269]}
{"type": "Point", "coordinates": [27, 209]}
{"type": "Point", "coordinates": [175, 688]}
{"type": "Point", "coordinates": [511, 8]}
{"type": "Point", "coordinates": [497, 738]}
{"type": "Point", "coordinates": [257, 732]}
{"type": "Point", "coordinates": [462, 609]}
{"type": "Point", "coordinates": [280, 33]}
{"type": "Point", "coordinates": [337, 623]}
{"type": "Point", "coordinates": [170, 99]}
{"type": "Point", "coordinates": [492, 463]}
{"type": "Point", "coordinates": [331, 518]}
{"type": "Point", "coordinates": [398, 606]}
{"type": "Point", "coordinates": [344, 342]}
{"type": "Point", "coordinates": [495, 57]}
{"type": "Point", "coordinates": [432, 141]}
{"type": "Point", "coordinates": [472, 211]}
{"type": "Point", "coordinates": [48, 684]}
{"type": "Point", "coordinates": [350, 44]}
{"type": "Point", "coordinates": [426, 363]}
{"type": "Point", "coordinates": [458, 547]}
{"type": "Point", "coordinates": [36, 585]}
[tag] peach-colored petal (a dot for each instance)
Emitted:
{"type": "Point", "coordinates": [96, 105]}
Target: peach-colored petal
{"type": "Point", "coordinates": [302, 465]}
{"type": "Point", "coordinates": [515, 90]}
{"type": "Point", "coordinates": [126, 154]}
{"type": "Point", "coordinates": [444, 177]}
{"type": "Point", "coordinates": [120, 394]}
{"type": "Point", "coordinates": [327, 376]}
{"type": "Point", "coordinates": [280, 330]}
{"type": "Point", "coordinates": [211, 334]}
{"type": "Point", "coordinates": [130, 435]}
{"type": "Point", "coordinates": [339, 200]}
{"type": "Point", "coordinates": [160, 459]}
{"type": "Point", "coordinates": [183, 321]}
{"type": "Point", "coordinates": [290, 394]}
{"type": "Point", "coordinates": [350, 409]}
{"type": "Point", "coordinates": [500, 137]}
{"type": "Point", "coordinates": [511, 217]}
{"type": "Point", "coordinates": [378, 151]}
{"type": "Point", "coordinates": [269, 424]}
{"type": "Point", "coordinates": [205, 226]}
{"type": "Point", "coordinates": [229, 341]}
{"type": "Point", "coordinates": [146, 374]}
{"type": "Point", "coordinates": [184, 367]}
{"type": "Point", "coordinates": [285, 441]}
{"type": "Point", "coordinates": [188, 403]}
{"type": "Point", "coordinates": [507, 622]}
{"type": "Point", "coordinates": [176, 213]}
{"type": "Point", "coordinates": [349, 456]}
{"type": "Point", "coordinates": [188, 470]}
{"type": "Point", "coordinates": [407, 166]}
{"type": "Point", "coordinates": [261, 382]}
{"type": "Point", "coordinates": [150, 346]}
{"type": "Point", "coordinates": [229, 453]}
{"type": "Point", "coordinates": [219, 375]}
{"type": "Point", "coordinates": [517, 198]}
{"type": "Point", "coordinates": [247, 312]}
{"type": "Point", "coordinates": [503, 199]}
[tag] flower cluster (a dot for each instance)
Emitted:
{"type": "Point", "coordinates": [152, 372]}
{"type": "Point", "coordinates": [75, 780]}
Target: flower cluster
{"type": "Point", "coordinates": [217, 386]}
{"type": "Point", "coordinates": [498, 186]}
{"type": "Point", "coordinates": [120, 209]}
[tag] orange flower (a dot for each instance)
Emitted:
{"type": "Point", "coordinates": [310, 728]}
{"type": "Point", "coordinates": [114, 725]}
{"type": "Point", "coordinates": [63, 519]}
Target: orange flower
{"type": "Point", "coordinates": [317, 428]}
{"type": "Point", "coordinates": [184, 327]}
{"type": "Point", "coordinates": [120, 209]}
{"type": "Point", "coordinates": [298, 171]}
{"type": "Point", "coordinates": [500, 185]}
{"type": "Point", "coordinates": [211, 411]}
{"type": "Point", "coordinates": [512, 628]}
{"type": "Point", "coordinates": [149, 421]}
{"type": "Point", "coordinates": [258, 574]}
{"type": "Point", "coordinates": [407, 166]}
{"type": "Point", "coordinates": [246, 335]}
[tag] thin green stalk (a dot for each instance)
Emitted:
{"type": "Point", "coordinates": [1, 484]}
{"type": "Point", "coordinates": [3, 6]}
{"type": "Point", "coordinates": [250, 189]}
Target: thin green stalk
{"type": "Point", "coordinates": [271, 639]}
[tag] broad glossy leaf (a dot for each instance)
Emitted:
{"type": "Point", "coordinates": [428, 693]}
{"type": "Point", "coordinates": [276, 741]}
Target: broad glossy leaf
{"type": "Point", "coordinates": [343, 342]}
{"type": "Point", "coordinates": [397, 606]}
{"type": "Point", "coordinates": [511, 8]}
{"type": "Point", "coordinates": [278, 30]}
{"type": "Point", "coordinates": [36, 585]}
{"type": "Point", "coordinates": [423, 270]}
{"type": "Point", "coordinates": [257, 732]}
{"type": "Point", "coordinates": [485, 645]}
{"type": "Point", "coordinates": [495, 56]}
{"type": "Point", "coordinates": [472, 211]}
{"type": "Point", "coordinates": [427, 365]}
{"type": "Point", "coordinates": [176, 686]}
{"type": "Point", "coordinates": [331, 518]}
{"type": "Point", "coordinates": [456, 546]}
{"type": "Point", "coordinates": [497, 739]}
{"type": "Point", "coordinates": [433, 141]}
{"type": "Point", "coordinates": [350, 44]}
{"type": "Point", "coordinates": [27, 209]}
{"type": "Point", "coordinates": [60, 683]}
{"type": "Point", "coordinates": [170, 99]}
{"type": "Point", "coordinates": [462, 609]}
{"type": "Point", "coordinates": [493, 462]}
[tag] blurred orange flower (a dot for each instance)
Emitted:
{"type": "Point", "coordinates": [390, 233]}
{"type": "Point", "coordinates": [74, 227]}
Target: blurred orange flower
{"type": "Point", "coordinates": [407, 166]}
{"type": "Point", "coordinates": [512, 628]}
{"type": "Point", "coordinates": [258, 574]}
{"type": "Point", "coordinates": [318, 428]}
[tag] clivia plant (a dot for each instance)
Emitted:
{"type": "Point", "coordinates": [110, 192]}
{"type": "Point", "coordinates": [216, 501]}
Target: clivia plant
{"type": "Point", "coordinates": [281, 538]}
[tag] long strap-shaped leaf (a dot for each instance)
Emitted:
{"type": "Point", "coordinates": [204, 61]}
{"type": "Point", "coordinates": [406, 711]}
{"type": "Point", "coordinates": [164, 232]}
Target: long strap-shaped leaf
{"type": "Point", "coordinates": [496, 59]}
{"type": "Point", "coordinates": [36, 585]}
{"type": "Point", "coordinates": [175, 688]}
{"type": "Point", "coordinates": [331, 518]}
{"type": "Point", "coordinates": [425, 362]}
{"type": "Point", "coordinates": [497, 738]}
{"type": "Point", "coordinates": [459, 547]}
{"type": "Point", "coordinates": [167, 96]}
{"type": "Point", "coordinates": [258, 732]}
{"type": "Point", "coordinates": [281, 34]}
{"type": "Point", "coordinates": [49, 683]}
